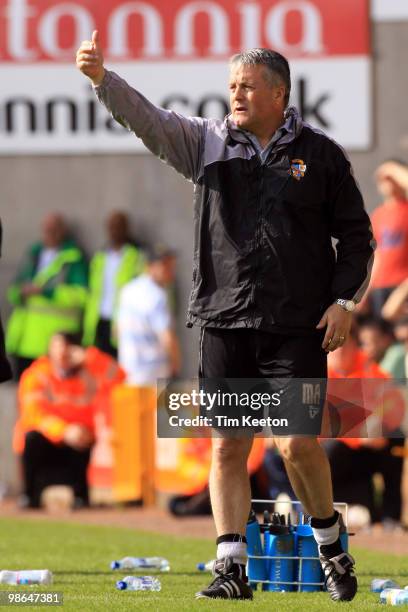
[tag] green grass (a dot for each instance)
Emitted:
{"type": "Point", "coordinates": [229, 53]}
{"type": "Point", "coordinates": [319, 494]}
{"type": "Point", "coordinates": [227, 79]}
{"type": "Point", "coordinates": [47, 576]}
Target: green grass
{"type": "Point", "coordinates": [79, 556]}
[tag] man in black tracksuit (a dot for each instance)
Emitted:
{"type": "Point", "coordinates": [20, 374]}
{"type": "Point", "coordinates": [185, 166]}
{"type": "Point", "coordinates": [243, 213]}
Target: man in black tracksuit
{"type": "Point", "coordinates": [269, 293]}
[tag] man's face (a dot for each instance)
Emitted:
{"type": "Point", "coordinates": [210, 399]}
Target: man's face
{"type": "Point", "coordinates": [374, 343]}
{"type": "Point", "coordinates": [401, 334]}
{"type": "Point", "coordinates": [164, 270]}
{"type": "Point", "coordinates": [53, 230]}
{"type": "Point", "coordinates": [117, 228]}
{"type": "Point", "coordinates": [66, 358]}
{"type": "Point", "coordinates": [59, 351]}
{"type": "Point", "coordinates": [254, 101]}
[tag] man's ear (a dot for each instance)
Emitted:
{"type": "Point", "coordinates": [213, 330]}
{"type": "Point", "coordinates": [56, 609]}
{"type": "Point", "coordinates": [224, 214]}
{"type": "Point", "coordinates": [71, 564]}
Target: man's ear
{"type": "Point", "coordinates": [279, 93]}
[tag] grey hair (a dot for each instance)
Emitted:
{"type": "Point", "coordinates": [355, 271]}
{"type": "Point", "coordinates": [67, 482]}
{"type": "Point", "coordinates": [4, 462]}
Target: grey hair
{"type": "Point", "coordinates": [276, 64]}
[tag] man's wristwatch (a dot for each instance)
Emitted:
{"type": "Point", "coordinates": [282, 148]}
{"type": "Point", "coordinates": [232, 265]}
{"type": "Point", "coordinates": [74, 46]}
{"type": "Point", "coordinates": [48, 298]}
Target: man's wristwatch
{"type": "Point", "coordinates": [348, 305]}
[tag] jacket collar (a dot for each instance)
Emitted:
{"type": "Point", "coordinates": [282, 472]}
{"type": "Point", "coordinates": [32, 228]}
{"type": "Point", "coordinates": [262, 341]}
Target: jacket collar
{"type": "Point", "coordinates": [286, 134]}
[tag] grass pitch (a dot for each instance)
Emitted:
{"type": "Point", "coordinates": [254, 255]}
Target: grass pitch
{"type": "Point", "coordinates": [79, 557]}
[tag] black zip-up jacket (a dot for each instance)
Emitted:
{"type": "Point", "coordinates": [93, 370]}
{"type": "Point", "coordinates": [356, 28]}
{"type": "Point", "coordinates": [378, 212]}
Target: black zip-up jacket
{"type": "Point", "coordinates": [263, 254]}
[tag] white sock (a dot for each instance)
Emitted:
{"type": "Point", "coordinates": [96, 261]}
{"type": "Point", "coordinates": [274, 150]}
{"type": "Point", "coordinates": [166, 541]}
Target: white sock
{"type": "Point", "coordinates": [327, 535]}
{"type": "Point", "coordinates": [236, 550]}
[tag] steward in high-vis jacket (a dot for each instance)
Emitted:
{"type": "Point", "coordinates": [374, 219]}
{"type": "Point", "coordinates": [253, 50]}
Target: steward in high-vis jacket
{"type": "Point", "coordinates": [263, 254]}
{"type": "Point", "coordinates": [110, 269]}
{"type": "Point", "coordinates": [5, 370]}
{"type": "Point", "coordinates": [48, 294]}
{"type": "Point", "coordinates": [58, 398]}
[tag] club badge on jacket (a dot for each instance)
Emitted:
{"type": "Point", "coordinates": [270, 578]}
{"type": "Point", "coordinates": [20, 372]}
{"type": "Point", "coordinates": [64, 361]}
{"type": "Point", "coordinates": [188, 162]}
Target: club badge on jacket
{"type": "Point", "coordinates": [297, 168]}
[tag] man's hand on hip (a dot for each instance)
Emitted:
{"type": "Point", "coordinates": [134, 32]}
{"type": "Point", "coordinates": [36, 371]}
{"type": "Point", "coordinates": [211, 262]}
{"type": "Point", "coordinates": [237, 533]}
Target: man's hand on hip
{"type": "Point", "coordinates": [89, 59]}
{"type": "Point", "coordinates": [337, 322]}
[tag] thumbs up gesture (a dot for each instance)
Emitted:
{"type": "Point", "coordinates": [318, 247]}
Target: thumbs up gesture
{"type": "Point", "coordinates": [89, 59]}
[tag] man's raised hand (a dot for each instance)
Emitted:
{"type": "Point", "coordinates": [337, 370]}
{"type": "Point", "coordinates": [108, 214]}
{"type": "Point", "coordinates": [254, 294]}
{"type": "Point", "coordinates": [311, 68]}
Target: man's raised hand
{"type": "Point", "coordinates": [89, 59]}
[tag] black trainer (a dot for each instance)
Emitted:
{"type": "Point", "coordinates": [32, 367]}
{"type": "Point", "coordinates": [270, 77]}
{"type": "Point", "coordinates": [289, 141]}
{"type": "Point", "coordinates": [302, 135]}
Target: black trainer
{"type": "Point", "coordinates": [230, 582]}
{"type": "Point", "coordinates": [339, 576]}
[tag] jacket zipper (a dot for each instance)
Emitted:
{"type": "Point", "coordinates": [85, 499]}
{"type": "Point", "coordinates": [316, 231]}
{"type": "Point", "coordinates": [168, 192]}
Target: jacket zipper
{"type": "Point", "coordinates": [258, 235]}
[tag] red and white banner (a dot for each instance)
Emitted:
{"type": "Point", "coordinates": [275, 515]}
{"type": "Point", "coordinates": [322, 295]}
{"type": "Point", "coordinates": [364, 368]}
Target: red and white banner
{"type": "Point", "coordinates": [175, 52]}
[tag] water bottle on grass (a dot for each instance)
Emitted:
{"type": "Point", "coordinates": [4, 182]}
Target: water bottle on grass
{"type": "Point", "coordinates": [145, 563]}
{"type": "Point", "coordinates": [394, 597]}
{"type": "Point", "coordinates": [26, 577]}
{"type": "Point", "coordinates": [379, 584]}
{"type": "Point", "coordinates": [206, 567]}
{"type": "Point", "coordinates": [139, 583]}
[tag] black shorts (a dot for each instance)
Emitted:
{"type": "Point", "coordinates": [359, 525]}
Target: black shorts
{"type": "Point", "coordinates": [234, 360]}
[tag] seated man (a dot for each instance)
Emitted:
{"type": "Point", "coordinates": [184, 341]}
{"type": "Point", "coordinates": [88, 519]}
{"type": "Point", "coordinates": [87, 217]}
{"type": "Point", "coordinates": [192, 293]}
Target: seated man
{"type": "Point", "coordinates": [58, 395]}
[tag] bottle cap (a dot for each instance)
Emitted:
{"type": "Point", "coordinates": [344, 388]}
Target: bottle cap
{"type": "Point", "coordinates": [121, 585]}
{"type": "Point", "coordinates": [252, 517]}
{"type": "Point", "coordinates": [304, 530]}
{"type": "Point", "coordinates": [115, 565]}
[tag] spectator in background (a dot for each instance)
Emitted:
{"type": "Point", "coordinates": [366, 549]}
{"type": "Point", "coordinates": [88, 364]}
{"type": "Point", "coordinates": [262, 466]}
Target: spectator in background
{"type": "Point", "coordinates": [396, 306]}
{"type": "Point", "coordinates": [110, 270]}
{"type": "Point", "coordinates": [390, 226]}
{"type": "Point", "coordinates": [354, 461]}
{"type": "Point", "coordinates": [378, 343]}
{"type": "Point", "coordinates": [148, 346]}
{"type": "Point", "coordinates": [401, 334]}
{"type": "Point", "coordinates": [55, 430]}
{"type": "Point", "coordinates": [48, 294]}
{"type": "Point", "coordinates": [5, 370]}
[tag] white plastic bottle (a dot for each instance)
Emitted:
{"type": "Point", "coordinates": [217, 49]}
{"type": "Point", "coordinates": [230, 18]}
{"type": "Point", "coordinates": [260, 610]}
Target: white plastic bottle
{"type": "Point", "coordinates": [26, 577]}
{"type": "Point", "coordinates": [394, 597]}
{"type": "Point", "coordinates": [206, 567]}
{"type": "Point", "coordinates": [156, 563]}
{"type": "Point", "coordinates": [139, 583]}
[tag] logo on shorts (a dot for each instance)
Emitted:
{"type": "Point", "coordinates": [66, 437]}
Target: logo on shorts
{"type": "Point", "coordinates": [311, 393]}
{"type": "Point", "coordinates": [298, 168]}
{"type": "Point", "coordinates": [313, 411]}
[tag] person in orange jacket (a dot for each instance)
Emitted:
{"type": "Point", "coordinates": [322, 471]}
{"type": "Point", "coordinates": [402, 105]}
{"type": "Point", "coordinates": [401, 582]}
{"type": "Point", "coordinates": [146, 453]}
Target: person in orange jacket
{"type": "Point", "coordinates": [58, 395]}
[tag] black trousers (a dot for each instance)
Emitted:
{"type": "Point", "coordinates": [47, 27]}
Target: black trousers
{"type": "Point", "coordinates": [103, 338]}
{"type": "Point", "coordinates": [352, 472]}
{"type": "Point", "coordinates": [45, 464]}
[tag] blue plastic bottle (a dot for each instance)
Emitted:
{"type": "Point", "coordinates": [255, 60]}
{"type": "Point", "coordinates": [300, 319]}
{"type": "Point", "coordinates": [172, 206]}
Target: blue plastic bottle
{"type": "Point", "coordinates": [343, 535]}
{"type": "Point", "coordinates": [256, 567]}
{"type": "Point", "coordinates": [280, 542]}
{"type": "Point", "coordinates": [309, 570]}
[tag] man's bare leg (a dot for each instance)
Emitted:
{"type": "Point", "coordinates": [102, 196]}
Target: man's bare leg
{"type": "Point", "coordinates": [231, 499]}
{"type": "Point", "coordinates": [230, 490]}
{"type": "Point", "coordinates": [309, 473]}
{"type": "Point", "coordinates": [298, 486]}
